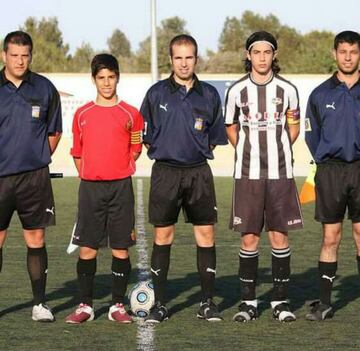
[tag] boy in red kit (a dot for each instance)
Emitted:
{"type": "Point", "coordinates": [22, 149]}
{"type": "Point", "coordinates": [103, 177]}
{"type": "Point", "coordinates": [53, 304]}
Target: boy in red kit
{"type": "Point", "coordinates": [106, 144]}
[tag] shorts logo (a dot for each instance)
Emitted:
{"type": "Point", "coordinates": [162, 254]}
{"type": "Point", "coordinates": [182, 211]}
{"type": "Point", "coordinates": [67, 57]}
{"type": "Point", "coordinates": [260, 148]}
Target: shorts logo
{"type": "Point", "coordinates": [51, 210]}
{"type": "Point", "coordinates": [35, 111]}
{"type": "Point", "coordinates": [237, 220]}
{"type": "Point", "coordinates": [199, 122]}
{"type": "Point", "coordinates": [307, 125]}
{"type": "Point", "coordinates": [294, 221]}
{"type": "Point", "coordinates": [277, 101]}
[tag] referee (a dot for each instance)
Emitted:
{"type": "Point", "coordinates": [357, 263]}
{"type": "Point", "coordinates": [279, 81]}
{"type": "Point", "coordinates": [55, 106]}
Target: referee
{"type": "Point", "coordinates": [31, 126]}
{"type": "Point", "coordinates": [333, 137]}
{"type": "Point", "coordinates": [184, 122]}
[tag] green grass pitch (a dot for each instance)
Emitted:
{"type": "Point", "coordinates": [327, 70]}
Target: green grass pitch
{"type": "Point", "coordinates": [183, 331]}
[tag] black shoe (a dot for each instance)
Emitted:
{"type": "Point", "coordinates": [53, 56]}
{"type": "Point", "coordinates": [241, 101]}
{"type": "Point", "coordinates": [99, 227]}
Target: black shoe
{"type": "Point", "coordinates": [319, 312]}
{"type": "Point", "coordinates": [246, 313]}
{"type": "Point", "coordinates": [282, 313]}
{"type": "Point", "coordinates": [209, 311]}
{"type": "Point", "coordinates": [158, 314]}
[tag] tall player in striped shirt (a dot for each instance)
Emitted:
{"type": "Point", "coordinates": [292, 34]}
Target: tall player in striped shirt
{"type": "Point", "coordinates": [263, 120]}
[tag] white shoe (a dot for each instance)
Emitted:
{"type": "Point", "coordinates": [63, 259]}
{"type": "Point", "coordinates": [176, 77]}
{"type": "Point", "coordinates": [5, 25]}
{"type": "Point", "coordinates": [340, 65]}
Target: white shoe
{"type": "Point", "coordinates": [42, 313]}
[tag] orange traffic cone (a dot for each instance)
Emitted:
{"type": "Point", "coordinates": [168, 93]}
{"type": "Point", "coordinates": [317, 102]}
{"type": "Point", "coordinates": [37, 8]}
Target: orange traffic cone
{"type": "Point", "coordinates": [307, 193]}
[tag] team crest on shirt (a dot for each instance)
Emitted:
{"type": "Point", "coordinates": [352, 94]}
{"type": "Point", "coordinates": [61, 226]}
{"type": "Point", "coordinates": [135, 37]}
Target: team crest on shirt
{"type": "Point", "coordinates": [307, 125]}
{"type": "Point", "coordinates": [199, 123]}
{"type": "Point", "coordinates": [129, 125]}
{"type": "Point", "coordinates": [35, 111]}
{"type": "Point", "coordinates": [277, 101]}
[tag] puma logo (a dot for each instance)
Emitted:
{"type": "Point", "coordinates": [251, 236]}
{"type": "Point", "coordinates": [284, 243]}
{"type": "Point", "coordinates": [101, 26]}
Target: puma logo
{"type": "Point", "coordinates": [156, 272]}
{"type": "Point", "coordinates": [328, 278]}
{"type": "Point", "coordinates": [164, 107]}
{"type": "Point", "coordinates": [51, 210]}
{"type": "Point", "coordinates": [331, 105]}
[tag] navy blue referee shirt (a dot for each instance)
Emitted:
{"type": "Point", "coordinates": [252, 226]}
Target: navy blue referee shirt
{"type": "Point", "coordinates": [332, 122]}
{"type": "Point", "coordinates": [28, 114]}
{"type": "Point", "coordinates": [181, 125]}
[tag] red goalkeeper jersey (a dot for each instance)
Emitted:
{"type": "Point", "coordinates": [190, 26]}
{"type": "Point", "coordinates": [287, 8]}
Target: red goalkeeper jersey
{"type": "Point", "coordinates": [105, 138]}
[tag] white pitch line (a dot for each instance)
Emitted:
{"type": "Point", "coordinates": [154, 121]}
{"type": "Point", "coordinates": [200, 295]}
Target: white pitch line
{"type": "Point", "coordinates": [145, 332]}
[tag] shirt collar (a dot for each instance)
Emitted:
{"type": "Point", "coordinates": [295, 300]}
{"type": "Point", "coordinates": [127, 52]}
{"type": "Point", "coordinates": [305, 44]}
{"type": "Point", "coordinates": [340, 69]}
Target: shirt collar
{"type": "Point", "coordinates": [174, 86]}
{"type": "Point", "coordinates": [336, 82]}
{"type": "Point", "coordinates": [27, 77]}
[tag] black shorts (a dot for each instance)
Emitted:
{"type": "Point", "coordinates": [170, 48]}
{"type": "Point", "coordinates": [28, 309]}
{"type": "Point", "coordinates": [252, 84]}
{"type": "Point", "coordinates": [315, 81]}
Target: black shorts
{"type": "Point", "coordinates": [189, 188]}
{"type": "Point", "coordinates": [273, 202]}
{"type": "Point", "coordinates": [105, 214]}
{"type": "Point", "coordinates": [337, 186]}
{"type": "Point", "coordinates": [30, 194]}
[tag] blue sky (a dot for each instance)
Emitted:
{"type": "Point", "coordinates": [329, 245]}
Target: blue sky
{"type": "Point", "coordinates": [93, 21]}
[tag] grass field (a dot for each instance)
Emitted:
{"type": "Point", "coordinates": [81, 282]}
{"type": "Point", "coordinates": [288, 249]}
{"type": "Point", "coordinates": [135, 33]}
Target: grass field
{"type": "Point", "coordinates": [183, 331]}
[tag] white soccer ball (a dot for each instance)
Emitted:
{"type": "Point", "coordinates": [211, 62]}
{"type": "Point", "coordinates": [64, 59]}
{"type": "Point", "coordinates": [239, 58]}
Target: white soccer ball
{"type": "Point", "coordinates": [142, 298]}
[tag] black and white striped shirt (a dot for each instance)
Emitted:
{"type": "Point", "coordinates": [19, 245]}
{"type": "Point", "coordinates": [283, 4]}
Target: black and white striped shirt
{"type": "Point", "coordinates": [264, 113]}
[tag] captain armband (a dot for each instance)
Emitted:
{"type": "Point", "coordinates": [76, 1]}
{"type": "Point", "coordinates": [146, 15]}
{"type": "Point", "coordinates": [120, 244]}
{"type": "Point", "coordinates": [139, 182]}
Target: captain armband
{"type": "Point", "coordinates": [293, 117]}
{"type": "Point", "coordinates": [136, 137]}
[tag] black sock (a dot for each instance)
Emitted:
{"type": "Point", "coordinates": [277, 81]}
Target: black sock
{"type": "Point", "coordinates": [248, 267]}
{"type": "Point", "coordinates": [160, 261]}
{"type": "Point", "coordinates": [121, 268]}
{"type": "Point", "coordinates": [357, 260]}
{"type": "Point", "coordinates": [37, 264]}
{"type": "Point", "coordinates": [1, 259]}
{"type": "Point", "coordinates": [327, 272]}
{"type": "Point", "coordinates": [86, 270]}
{"type": "Point", "coordinates": [280, 273]}
{"type": "Point", "coordinates": [206, 264]}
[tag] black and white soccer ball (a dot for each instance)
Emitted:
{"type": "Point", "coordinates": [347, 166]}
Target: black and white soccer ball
{"type": "Point", "coordinates": [142, 298]}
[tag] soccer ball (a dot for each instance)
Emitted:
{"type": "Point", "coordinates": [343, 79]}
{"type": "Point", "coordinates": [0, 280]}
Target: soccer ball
{"type": "Point", "coordinates": [142, 298]}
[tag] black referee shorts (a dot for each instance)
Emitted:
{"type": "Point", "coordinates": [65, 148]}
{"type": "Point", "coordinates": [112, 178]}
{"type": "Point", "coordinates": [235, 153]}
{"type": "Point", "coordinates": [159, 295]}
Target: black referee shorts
{"type": "Point", "coordinates": [30, 194]}
{"type": "Point", "coordinates": [188, 188]}
{"type": "Point", "coordinates": [105, 214]}
{"type": "Point", "coordinates": [337, 186]}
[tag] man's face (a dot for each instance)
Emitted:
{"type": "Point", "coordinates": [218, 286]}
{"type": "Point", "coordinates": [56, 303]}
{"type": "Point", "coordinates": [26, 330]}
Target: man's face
{"type": "Point", "coordinates": [261, 56]}
{"type": "Point", "coordinates": [17, 60]}
{"type": "Point", "coordinates": [183, 62]}
{"type": "Point", "coordinates": [347, 57]}
{"type": "Point", "coordinates": [106, 82]}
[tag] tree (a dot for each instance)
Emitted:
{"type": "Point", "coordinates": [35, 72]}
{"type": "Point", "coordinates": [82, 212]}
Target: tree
{"type": "Point", "coordinates": [170, 27]}
{"type": "Point", "coordinates": [224, 62]}
{"type": "Point", "coordinates": [118, 44]}
{"type": "Point", "coordinates": [81, 60]}
{"type": "Point", "coordinates": [236, 31]}
{"type": "Point", "coordinates": [50, 54]}
{"type": "Point", "coordinates": [315, 53]}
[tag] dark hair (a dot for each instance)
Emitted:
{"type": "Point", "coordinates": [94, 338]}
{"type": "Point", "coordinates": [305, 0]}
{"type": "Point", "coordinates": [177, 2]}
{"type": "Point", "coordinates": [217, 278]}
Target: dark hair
{"type": "Point", "coordinates": [19, 38]}
{"type": "Point", "coordinates": [261, 36]}
{"type": "Point", "coordinates": [183, 39]}
{"type": "Point", "coordinates": [106, 61]}
{"type": "Point", "coordinates": [347, 36]}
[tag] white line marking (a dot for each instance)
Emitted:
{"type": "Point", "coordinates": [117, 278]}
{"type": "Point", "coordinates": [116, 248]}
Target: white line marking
{"type": "Point", "coordinates": [145, 332]}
